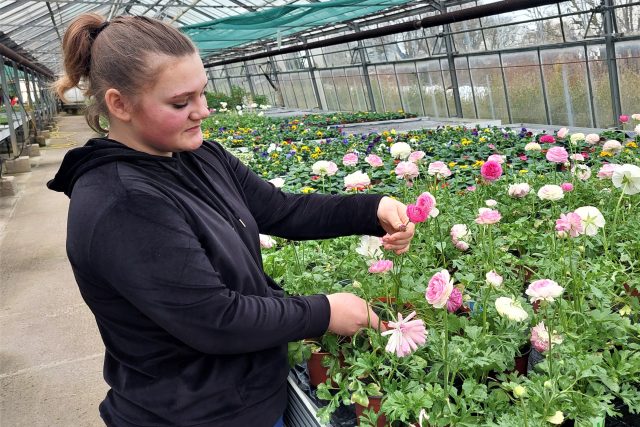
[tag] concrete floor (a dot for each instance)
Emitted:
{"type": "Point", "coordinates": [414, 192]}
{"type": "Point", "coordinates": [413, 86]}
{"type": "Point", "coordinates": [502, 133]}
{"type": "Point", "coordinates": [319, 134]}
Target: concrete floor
{"type": "Point", "coordinates": [50, 351]}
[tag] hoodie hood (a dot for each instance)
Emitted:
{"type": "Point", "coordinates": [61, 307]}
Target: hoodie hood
{"type": "Point", "coordinates": [96, 152]}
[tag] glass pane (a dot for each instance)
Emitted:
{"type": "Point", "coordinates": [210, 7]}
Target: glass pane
{"type": "Point", "coordinates": [488, 87]}
{"type": "Point", "coordinates": [628, 60]}
{"type": "Point", "coordinates": [448, 88]}
{"type": "Point", "coordinates": [389, 87]}
{"type": "Point", "coordinates": [600, 86]}
{"type": "Point", "coordinates": [432, 88]}
{"type": "Point", "coordinates": [524, 87]}
{"type": "Point", "coordinates": [628, 20]}
{"type": "Point", "coordinates": [342, 89]}
{"type": "Point", "coordinates": [565, 79]}
{"type": "Point", "coordinates": [375, 88]}
{"type": "Point", "coordinates": [465, 88]}
{"type": "Point", "coordinates": [329, 90]}
{"type": "Point", "coordinates": [408, 79]}
{"type": "Point", "coordinates": [356, 88]}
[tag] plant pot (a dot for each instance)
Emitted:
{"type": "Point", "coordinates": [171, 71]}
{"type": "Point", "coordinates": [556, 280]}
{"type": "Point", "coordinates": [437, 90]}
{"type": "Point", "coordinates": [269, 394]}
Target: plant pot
{"type": "Point", "coordinates": [317, 371]}
{"type": "Point", "coordinates": [631, 292]}
{"type": "Point", "coordinates": [522, 361]}
{"type": "Point", "coordinates": [374, 404]}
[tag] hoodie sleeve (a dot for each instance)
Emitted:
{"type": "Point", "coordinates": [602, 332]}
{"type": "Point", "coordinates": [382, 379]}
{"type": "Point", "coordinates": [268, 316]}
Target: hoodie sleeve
{"type": "Point", "coordinates": [144, 248]}
{"type": "Point", "coordinates": [306, 216]}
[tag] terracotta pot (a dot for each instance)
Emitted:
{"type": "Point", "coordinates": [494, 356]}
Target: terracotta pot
{"type": "Point", "coordinates": [374, 403]}
{"type": "Point", "coordinates": [317, 371]}
{"type": "Point", "coordinates": [522, 361]}
{"type": "Point", "coordinates": [631, 292]}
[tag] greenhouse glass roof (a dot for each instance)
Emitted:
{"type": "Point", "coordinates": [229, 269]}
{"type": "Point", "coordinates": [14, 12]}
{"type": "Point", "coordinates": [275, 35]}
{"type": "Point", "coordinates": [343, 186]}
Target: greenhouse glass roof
{"type": "Point", "coordinates": [34, 29]}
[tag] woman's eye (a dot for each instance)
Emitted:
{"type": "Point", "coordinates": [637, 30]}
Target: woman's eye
{"type": "Point", "coordinates": [178, 106]}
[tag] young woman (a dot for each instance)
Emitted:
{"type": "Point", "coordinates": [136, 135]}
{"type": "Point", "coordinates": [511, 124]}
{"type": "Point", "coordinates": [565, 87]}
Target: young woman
{"type": "Point", "coordinates": [163, 240]}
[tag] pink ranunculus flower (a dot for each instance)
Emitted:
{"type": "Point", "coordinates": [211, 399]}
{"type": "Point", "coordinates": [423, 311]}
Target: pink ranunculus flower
{"type": "Point", "coordinates": [583, 172]}
{"type": "Point", "coordinates": [544, 290]}
{"type": "Point", "coordinates": [439, 169]}
{"type": "Point", "coordinates": [491, 171]}
{"type": "Point", "coordinates": [592, 138]}
{"type": "Point", "coordinates": [381, 266]}
{"type": "Point", "coordinates": [417, 213]}
{"type": "Point", "coordinates": [519, 191]}
{"type": "Point", "coordinates": [523, 157]}
{"type": "Point", "coordinates": [406, 335]}
{"type": "Point", "coordinates": [407, 170]}
{"type": "Point", "coordinates": [350, 159]}
{"type": "Point", "coordinates": [557, 155]}
{"type": "Point", "coordinates": [471, 188]}
{"type": "Point", "coordinates": [577, 157]}
{"type": "Point", "coordinates": [570, 224]}
{"type": "Point", "coordinates": [266, 241]}
{"type": "Point", "coordinates": [357, 181]}
{"type": "Point", "coordinates": [496, 158]}
{"type": "Point", "coordinates": [491, 203]}
{"type": "Point", "coordinates": [374, 161]}
{"type": "Point", "coordinates": [488, 216]}
{"type": "Point", "coordinates": [461, 245]}
{"type": "Point", "coordinates": [324, 168]}
{"type": "Point", "coordinates": [540, 338]}
{"type": "Point", "coordinates": [416, 156]}
{"type": "Point", "coordinates": [547, 139]}
{"type": "Point", "coordinates": [439, 289]}
{"type": "Point", "coordinates": [567, 187]}
{"type": "Point", "coordinates": [607, 170]}
{"type": "Point", "coordinates": [624, 118]}
{"type": "Point", "coordinates": [459, 232]}
{"type": "Point", "coordinates": [562, 132]}
{"type": "Point", "coordinates": [455, 300]}
{"type": "Point", "coordinates": [427, 202]}
{"type": "Point", "coordinates": [493, 279]}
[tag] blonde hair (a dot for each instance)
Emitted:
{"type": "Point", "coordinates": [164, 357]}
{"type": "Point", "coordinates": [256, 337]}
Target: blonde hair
{"type": "Point", "coordinates": [115, 54]}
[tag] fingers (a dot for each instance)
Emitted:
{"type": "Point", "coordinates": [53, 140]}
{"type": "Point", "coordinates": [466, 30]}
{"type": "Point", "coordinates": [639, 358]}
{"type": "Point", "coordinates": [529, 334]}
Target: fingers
{"type": "Point", "coordinates": [399, 241]}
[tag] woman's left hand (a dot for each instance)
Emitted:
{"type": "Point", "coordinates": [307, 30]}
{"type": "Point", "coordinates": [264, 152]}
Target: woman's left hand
{"type": "Point", "coordinates": [392, 215]}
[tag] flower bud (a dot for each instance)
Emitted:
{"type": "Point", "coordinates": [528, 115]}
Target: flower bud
{"type": "Point", "coordinates": [519, 391]}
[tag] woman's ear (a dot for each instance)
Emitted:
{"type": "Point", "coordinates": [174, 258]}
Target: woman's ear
{"type": "Point", "coordinates": [117, 105]}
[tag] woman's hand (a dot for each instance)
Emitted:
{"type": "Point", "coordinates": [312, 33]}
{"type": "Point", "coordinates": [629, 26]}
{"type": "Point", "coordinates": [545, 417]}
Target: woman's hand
{"type": "Point", "coordinates": [392, 215]}
{"type": "Point", "coordinates": [349, 314]}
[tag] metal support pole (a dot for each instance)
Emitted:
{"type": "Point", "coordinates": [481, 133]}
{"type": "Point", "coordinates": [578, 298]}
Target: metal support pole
{"type": "Point", "coordinates": [544, 90]}
{"type": "Point", "coordinates": [8, 109]}
{"type": "Point", "coordinates": [23, 113]}
{"type": "Point", "coordinates": [311, 70]}
{"type": "Point", "coordinates": [610, 48]}
{"type": "Point", "coordinates": [226, 72]}
{"type": "Point", "coordinates": [506, 91]}
{"type": "Point", "coordinates": [276, 81]}
{"type": "Point", "coordinates": [448, 40]}
{"type": "Point", "coordinates": [592, 109]}
{"type": "Point", "coordinates": [248, 75]}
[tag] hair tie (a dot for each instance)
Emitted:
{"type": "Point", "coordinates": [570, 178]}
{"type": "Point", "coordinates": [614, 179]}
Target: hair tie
{"type": "Point", "coordinates": [96, 31]}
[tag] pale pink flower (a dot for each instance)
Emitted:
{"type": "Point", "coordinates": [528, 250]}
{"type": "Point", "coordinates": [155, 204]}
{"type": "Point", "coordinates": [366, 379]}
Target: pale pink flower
{"type": "Point", "coordinates": [607, 170]}
{"type": "Point", "coordinates": [458, 233]}
{"type": "Point", "coordinates": [407, 170]}
{"type": "Point", "coordinates": [324, 168]}
{"type": "Point", "coordinates": [497, 158]}
{"type": "Point", "coordinates": [417, 213]}
{"type": "Point", "coordinates": [439, 289]}
{"type": "Point", "coordinates": [266, 242]}
{"type": "Point", "coordinates": [592, 138]}
{"type": "Point", "coordinates": [491, 203]}
{"type": "Point", "coordinates": [455, 300]}
{"type": "Point", "coordinates": [557, 155]}
{"type": "Point", "coordinates": [488, 216]}
{"type": "Point", "coordinates": [567, 187]}
{"type": "Point", "coordinates": [374, 161]}
{"type": "Point", "coordinates": [350, 159]}
{"type": "Point", "coordinates": [416, 156]}
{"type": "Point", "coordinates": [406, 335]}
{"type": "Point", "coordinates": [583, 172]}
{"type": "Point", "coordinates": [381, 266]}
{"type": "Point", "coordinates": [636, 117]}
{"type": "Point", "coordinates": [544, 290]}
{"type": "Point", "coordinates": [491, 171]}
{"type": "Point", "coordinates": [357, 181]}
{"type": "Point", "coordinates": [471, 188]}
{"type": "Point", "coordinates": [540, 338]}
{"type": "Point", "coordinates": [570, 223]}
{"type": "Point", "coordinates": [550, 192]}
{"type": "Point", "coordinates": [462, 245]}
{"type": "Point", "coordinates": [612, 146]}
{"type": "Point", "coordinates": [439, 170]}
{"type": "Point", "coordinates": [562, 132]}
{"type": "Point", "coordinates": [493, 279]}
{"type": "Point", "coordinates": [511, 309]}
{"type": "Point", "coordinates": [519, 191]}
{"type": "Point", "coordinates": [577, 157]}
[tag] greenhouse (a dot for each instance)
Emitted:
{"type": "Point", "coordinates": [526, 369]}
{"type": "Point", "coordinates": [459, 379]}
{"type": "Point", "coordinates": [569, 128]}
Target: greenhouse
{"type": "Point", "coordinates": [301, 213]}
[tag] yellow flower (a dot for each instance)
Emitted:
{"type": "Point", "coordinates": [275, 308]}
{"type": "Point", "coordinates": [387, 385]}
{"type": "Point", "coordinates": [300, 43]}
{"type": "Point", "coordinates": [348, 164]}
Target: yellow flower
{"type": "Point", "coordinates": [605, 154]}
{"type": "Point", "coordinates": [464, 166]}
{"type": "Point", "coordinates": [393, 132]}
{"type": "Point", "coordinates": [274, 155]}
{"type": "Point", "coordinates": [319, 134]}
{"type": "Point", "coordinates": [318, 150]}
{"type": "Point", "coordinates": [466, 142]}
{"type": "Point", "coordinates": [625, 311]}
{"type": "Point", "coordinates": [385, 133]}
{"type": "Point", "coordinates": [632, 144]}
{"type": "Point", "coordinates": [523, 171]}
{"type": "Point", "coordinates": [315, 155]}
{"type": "Point", "coordinates": [452, 164]}
{"type": "Point", "coordinates": [478, 163]}
{"type": "Point", "coordinates": [483, 139]}
{"type": "Point", "coordinates": [294, 127]}
{"type": "Point", "coordinates": [299, 158]}
{"type": "Point", "coordinates": [304, 148]}
{"type": "Point", "coordinates": [307, 190]}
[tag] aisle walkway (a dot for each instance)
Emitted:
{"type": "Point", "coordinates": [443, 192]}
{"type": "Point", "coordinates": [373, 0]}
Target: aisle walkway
{"type": "Point", "coordinates": [50, 351]}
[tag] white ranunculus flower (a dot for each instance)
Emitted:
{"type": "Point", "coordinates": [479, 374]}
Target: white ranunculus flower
{"type": "Point", "coordinates": [223, 104]}
{"type": "Point", "coordinates": [400, 150]}
{"type": "Point", "coordinates": [278, 182]}
{"type": "Point", "coordinates": [612, 146]}
{"type": "Point", "coordinates": [266, 242]}
{"type": "Point", "coordinates": [493, 279]}
{"type": "Point", "coordinates": [370, 247]}
{"type": "Point", "coordinates": [583, 172]}
{"type": "Point", "coordinates": [550, 192]}
{"type": "Point", "coordinates": [519, 191]}
{"type": "Point", "coordinates": [592, 219]}
{"type": "Point", "coordinates": [356, 181]}
{"type": "Point", "coordinates": [628, 177]}
{"type": "Point", "coordinates": [557, 418]}
{"type": "Point", "coordinates": [324, 167]}
{"type": "Point", "coordinates": [592, 138]}
{"type": "Point", "coordinates": [507, 307]}
{"type": "Point", "coordinates": [532, 146]}
{"type": "Point", "coordinates": [490, 202]}
{"type": "Point", "coordinates": [575, 137]}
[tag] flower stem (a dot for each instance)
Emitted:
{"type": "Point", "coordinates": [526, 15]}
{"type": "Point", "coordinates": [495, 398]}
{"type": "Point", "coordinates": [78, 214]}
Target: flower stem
{"type": "Point", "coordinates": [524, 410]}
{"type": "Point", "coordinates": [446, 352]}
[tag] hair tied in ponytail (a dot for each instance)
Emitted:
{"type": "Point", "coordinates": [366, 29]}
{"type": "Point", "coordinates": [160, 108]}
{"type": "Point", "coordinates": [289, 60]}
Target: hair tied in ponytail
{"type": "Point", "coordinates": [96, 31]}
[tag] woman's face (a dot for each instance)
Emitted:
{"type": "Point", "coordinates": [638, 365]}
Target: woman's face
{"type": "Point", "coordinates": [167, 116]}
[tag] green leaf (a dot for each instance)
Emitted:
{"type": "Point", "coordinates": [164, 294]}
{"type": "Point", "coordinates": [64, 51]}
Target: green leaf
{"type": "Point", "coordinates": [360, 398]}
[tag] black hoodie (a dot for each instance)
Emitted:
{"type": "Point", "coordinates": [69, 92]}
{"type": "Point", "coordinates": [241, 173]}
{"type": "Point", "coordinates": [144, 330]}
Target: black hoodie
{"type": "Point", "coordinates": [166, 253]}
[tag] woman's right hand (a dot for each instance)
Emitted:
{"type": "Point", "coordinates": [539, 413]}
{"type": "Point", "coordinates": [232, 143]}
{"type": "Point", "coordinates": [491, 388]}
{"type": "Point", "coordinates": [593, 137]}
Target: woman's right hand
{"type": "Point", "coordinates": [349, 314]}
